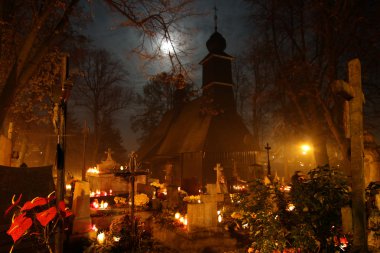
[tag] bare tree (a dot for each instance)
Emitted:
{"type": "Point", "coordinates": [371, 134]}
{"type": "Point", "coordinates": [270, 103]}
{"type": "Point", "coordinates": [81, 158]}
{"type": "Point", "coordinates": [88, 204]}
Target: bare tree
{"type": "Point", "coordinates": [35, 27]}
{"type": "Point", "coordinates": [310, 42]}
{"type": "Point", "coordinates": [101, 89]}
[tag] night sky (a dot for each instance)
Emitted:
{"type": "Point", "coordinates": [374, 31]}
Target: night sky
{"type": "Point", "coordinates": [105, 32]}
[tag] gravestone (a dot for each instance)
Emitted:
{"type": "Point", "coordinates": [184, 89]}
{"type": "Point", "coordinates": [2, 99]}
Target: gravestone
{"type": "Point", "coordinates": [203, 216]}
{"type": "Point", "coordinates": [81, 208]}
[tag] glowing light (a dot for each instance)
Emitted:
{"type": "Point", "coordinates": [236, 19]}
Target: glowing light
{"type": "Point", "coordinates": [290, 207]}
{"type": "Point", "coordinates": [95, 204]}
{"type": "Point", "coordinates": [110, 191]}
{"type": "Point", "coordinates": [101, 238]}
{"type": "Point", "coordinates": [179, 188]}
{"type": "Point", "coordinates": [177, 216]}
{"type": "Point", "coordinates": [185, 221]}
{"type": "Point", "coordinates": [220, 218]}
{"type": "Point", "coordinates": [103, 205]}
{"type": "Point", "coordinates": [181, 219]}
{"type": "Point", "coordinates": [93, 170]}
{"type": "Point", "coordinates": [92, 194]}
{"type": "Point", "coordinates": [218, 212]}
{"type": "Point", "coordinates": [305, 148]}
{"type": "Point", "coordinates": [199, 201]}
{"type": "Point", "coordinates": [287, 188]}
{"type": "Point", "coordinates": [94, 228]}
{"type": "Point", "coordinates": [68, 187]}
{"type": "Point", "coordinates": [121, 168]}
{"type": "Point", "coordinates": [116, 238]}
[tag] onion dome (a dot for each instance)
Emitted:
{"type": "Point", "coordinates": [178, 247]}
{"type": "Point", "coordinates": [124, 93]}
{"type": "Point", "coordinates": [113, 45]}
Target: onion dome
{"type": "Point", "coordinates": [216, 43]}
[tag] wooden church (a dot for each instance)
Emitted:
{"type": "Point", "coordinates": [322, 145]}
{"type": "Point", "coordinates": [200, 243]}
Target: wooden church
{"type": "Point", "coordinates": [193, 137]}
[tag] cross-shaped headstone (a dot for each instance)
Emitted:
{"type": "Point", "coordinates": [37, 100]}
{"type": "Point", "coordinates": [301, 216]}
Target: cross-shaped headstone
{"type": "Point", "coordinates": [109, 154]}
{"type": "Point", "coordinates": [220, 180]}
{"type": "Point", "coordinates": [353, 93]}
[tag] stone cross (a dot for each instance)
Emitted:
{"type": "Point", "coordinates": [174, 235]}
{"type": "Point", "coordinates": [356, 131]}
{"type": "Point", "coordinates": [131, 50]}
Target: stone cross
{"type": "Point", "coordinates": [220, 180]}
{"type": "Point", "coordinates": [352, 92]}
{"type": "Point", "coordinates": [109, 156]}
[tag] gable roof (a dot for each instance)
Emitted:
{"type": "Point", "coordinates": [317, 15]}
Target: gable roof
{"type": "Point", "coordinates": [190, 131]}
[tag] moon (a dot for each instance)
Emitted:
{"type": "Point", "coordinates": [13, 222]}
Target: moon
{"type": "Point", "coordinates": [166, 47]}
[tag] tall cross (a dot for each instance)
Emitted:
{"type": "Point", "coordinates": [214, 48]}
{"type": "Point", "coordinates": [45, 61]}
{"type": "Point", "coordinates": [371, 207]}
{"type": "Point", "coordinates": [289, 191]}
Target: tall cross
{"type": "Point", "coordinates": [267, 147]}
{"type": "Point", "coordinates": [353, 93]}
{"type": "Point", "coordinates": [131, 174]}
{"type": "Point", "coordinates": [218, 170]}
{"type": "Point", "coordinates": [215, 19]}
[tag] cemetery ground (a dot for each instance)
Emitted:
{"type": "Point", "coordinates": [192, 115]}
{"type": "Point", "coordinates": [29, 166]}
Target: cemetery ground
{"type": "Point", "coordinates": [307, 215]}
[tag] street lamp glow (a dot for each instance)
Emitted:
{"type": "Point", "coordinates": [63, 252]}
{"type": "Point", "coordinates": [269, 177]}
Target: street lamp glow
{"type": "Point", "coordinates": [305, 148]}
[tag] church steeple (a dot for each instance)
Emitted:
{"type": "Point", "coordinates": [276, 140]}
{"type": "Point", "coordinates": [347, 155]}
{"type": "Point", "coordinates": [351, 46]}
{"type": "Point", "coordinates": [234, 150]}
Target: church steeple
{"type": "Point", "coordinates": [217, 72]}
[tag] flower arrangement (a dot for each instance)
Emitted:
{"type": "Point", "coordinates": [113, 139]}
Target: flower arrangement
{"type": "Point", "coordinates": [120, 201]}
{"type": "Point", "coordinates": [157, 185]}
{"type": "Point", "coordinates": [141, 199]}
{"type": "Point", "coordinates": [37, 219]}
{"type": "Point", "coordinates": [119, 237]}
{"type": "Point", "coordinates": [192, 199]}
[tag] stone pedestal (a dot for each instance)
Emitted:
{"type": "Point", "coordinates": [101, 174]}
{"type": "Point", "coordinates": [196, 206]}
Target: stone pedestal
{"type": "Point", "coordinates": [81, 208]}
{"type": "Point", "coordinates": [203, 216]}
{"type": "Point", "coordinates": [172, 196]}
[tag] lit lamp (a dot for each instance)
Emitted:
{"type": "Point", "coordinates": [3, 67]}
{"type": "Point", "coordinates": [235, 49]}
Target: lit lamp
{"type": "Point", "coordinates": [305, 149]}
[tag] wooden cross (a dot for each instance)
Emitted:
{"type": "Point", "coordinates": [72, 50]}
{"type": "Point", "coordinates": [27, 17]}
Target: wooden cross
{"type": "Point", "coordinates": [215, 18]}
{"type": "Point", "coordinates": [353, 93]}
{"type": "Point", "coordinates": [267, 147]}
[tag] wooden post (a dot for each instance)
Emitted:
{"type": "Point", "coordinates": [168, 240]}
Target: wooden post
{"type": "Point", "coordinates": [352, 92]}
{"type": "Point", "coordinates": [357, 157]}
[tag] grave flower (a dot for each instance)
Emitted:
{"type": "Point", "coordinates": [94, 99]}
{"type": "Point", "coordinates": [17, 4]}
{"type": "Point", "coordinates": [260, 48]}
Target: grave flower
{"type": "Point", "coordinates": [33, 217]}
{"type": "Point", "coordinates": [141, 199]}
{"type": "Point", "coordinates": [19, 226]}
{"type": "Point", "coordinates": [46, 216]}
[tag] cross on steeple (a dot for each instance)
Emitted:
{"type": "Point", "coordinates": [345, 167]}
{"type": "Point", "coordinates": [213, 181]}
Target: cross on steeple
{"type": "Point", "coordinates": [215, 19]}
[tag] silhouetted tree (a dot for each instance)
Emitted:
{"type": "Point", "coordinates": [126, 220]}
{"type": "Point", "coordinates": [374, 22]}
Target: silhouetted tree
{"type": "Point", "coordinates": [101, 89]}
{"type": "Point", "coordinates": [158, 97]}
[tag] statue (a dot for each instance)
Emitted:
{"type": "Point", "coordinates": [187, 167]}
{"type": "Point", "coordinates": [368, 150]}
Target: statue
{"type": "Point", "coordinates": [169, 178]}
{"type": "Point", "coordinates": [221, 185]}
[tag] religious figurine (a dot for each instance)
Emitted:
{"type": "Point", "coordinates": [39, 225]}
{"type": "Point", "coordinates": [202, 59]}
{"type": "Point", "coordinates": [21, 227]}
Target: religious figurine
{"type": "Point", "coordinates": [169, 178]}
{"type": "Point", "coordinates": [221, 185]}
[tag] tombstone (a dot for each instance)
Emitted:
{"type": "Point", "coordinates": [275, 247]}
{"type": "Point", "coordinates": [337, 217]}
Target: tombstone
{"type": "Point", "coordinates": [5, 150]}
{"type": "Point", "coordinates": [172, 196]}
{"type": "Point", "coordinates": [204, 216]}
{"type": "Point", "coordinates": [221, 183]}
{"type": "Point", "coordinates": [81, 208]}
{"type": "Point", "coordinates": [374, 222]}
{"type": "Point", "coordinates": [105, 180]}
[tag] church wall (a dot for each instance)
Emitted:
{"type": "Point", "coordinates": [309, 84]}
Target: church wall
{"type": "Point", "coordinates": [191, 171]}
